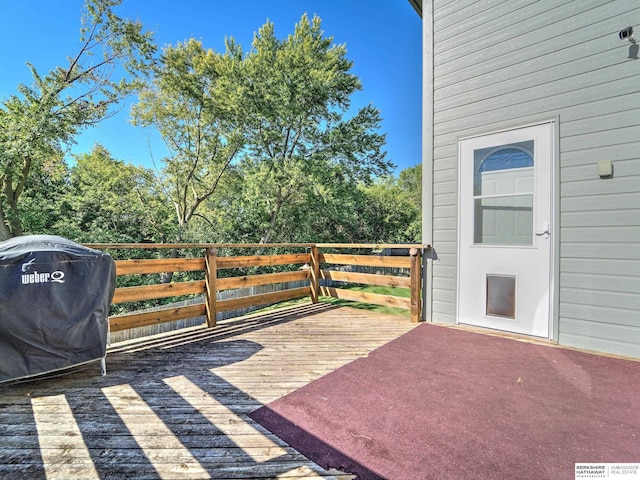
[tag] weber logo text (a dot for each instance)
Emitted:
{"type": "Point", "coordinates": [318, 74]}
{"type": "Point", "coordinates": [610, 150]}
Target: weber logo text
{"type": "Point", "coordinates": [44, 277]}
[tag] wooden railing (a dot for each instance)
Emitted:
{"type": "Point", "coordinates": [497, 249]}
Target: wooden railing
{"type": "Point", "coordinates": [412, 262]}
{"type": "Point", "coordinates": [314, 262]}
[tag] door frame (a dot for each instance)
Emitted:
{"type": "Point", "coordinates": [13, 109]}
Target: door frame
{"type": "Point", "coordinates": [554, 267]}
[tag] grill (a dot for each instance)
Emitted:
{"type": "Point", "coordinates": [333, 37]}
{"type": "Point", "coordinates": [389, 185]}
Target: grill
{"type": "Point", "coordinates": [54, 305]}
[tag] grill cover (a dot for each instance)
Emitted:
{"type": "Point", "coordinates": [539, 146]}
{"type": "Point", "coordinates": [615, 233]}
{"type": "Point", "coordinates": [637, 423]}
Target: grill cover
{"type": "Point", "coordinates": [54, 305]}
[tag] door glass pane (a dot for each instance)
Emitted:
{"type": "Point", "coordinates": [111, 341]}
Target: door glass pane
{"type": "Point", "coordinates": [504, 220]}
{"type": "Point", "coordinates": [503, 194]}
{"type": "Point", "coordinates": [501, 296]}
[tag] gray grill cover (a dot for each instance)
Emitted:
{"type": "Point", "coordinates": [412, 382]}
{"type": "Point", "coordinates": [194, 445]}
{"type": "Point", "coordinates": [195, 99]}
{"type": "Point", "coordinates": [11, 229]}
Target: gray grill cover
{"type": "Point", "coordinates": [54, 304]}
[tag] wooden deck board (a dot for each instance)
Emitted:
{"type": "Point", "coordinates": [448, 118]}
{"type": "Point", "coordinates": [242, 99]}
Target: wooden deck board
{"type": "Point", "coordinates": [176, 405]}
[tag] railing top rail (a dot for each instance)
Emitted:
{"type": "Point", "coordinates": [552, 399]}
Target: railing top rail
{"type": "Point", "coordinates": [194, 245]}
{"type": "Point", "coordinates": [101, 246]}
{"type": "Point", "coordinates": [371, 245]}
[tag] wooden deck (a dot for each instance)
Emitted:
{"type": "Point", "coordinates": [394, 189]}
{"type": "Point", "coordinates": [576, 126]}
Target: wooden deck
{"type": "Point", "coordinates": [176, 405]}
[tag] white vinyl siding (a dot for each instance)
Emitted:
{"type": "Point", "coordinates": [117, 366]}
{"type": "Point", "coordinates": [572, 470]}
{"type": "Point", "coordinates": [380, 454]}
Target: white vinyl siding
{"type": "Point", "coordinates": [502, 64]}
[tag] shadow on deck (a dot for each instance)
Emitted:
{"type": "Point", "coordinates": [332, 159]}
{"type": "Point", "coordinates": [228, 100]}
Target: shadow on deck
{"type": "Point", "coordinates": [176, 405]}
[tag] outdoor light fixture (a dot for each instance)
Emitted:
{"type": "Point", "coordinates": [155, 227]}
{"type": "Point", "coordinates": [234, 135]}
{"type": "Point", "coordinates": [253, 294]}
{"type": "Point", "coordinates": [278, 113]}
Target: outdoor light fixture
{"type": "Point", "coordinates": [627, 34]}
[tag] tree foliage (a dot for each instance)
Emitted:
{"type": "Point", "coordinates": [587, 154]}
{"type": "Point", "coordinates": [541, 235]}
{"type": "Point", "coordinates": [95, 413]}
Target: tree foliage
{"type": "Point", "coordinates": [293, 97]}
{"type": "Point", "coordinates": [37, 122]}
{"type": "Point", "coordinates": [264, 145]}
{"type": "Point", "coordinates": [410, 184]}
{"type": "Point", "coordinates": [278, 113]}
{"type": "Point", "coordinates": [185, 103]}
{"type": "Point", "coordinates": [110, 201]}
{"type": "Point", "coordinates": [42, 203]}
{"type": "Point", "coordinates": [391, 213]}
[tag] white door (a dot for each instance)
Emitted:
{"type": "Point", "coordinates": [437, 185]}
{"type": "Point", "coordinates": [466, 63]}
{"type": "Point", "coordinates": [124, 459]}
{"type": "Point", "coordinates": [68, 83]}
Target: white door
{"type": "Point", "coordinates": [505, 236]}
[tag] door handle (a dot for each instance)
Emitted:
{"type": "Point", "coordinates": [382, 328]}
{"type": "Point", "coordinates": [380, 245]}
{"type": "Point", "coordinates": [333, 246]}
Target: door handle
{"type": "Point", "coordinates": [544, 232]}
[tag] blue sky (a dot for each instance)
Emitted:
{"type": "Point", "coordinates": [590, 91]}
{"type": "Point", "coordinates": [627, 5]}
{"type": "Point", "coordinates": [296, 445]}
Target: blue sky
{"type": "Point", "coordinates": [382, 36]}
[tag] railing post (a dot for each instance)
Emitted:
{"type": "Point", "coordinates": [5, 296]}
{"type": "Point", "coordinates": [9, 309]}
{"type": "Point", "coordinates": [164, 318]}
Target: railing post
{"type": "Point", "coordinates": [315, 274]}
{"type": "Point", "coordinates": [416, 281]}
{"type": "Point", "coordinates": [210, 282]}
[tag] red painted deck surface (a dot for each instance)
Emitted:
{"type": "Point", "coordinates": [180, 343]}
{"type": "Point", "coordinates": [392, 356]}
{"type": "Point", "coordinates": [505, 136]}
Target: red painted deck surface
{"type": "Point", "coordinates": [443, 403]}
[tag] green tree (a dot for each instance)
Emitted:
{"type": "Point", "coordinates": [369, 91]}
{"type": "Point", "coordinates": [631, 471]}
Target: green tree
{"type": "Point", "coordinates": [321, 210]}
{"type": "Point", "coordinates": [388, 212]}
{"type": "Point", "coordinates": [185, 103]}
{"type": "Point", "coordinates": [111, 201]}
{"type": "Point", "coordinates": [293, 96]}
{"type": "Point", "coordinates": [42, 202]}
{"type": "Point", "coordinates": [36, 123]}
{"type": "Point", "coordinates": [270, 126]}
{"type": "Point", "coordinates": [410, 184]}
